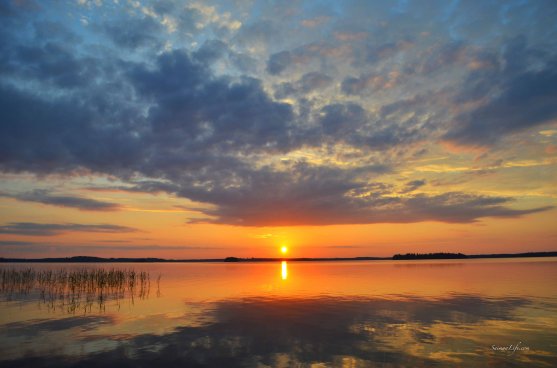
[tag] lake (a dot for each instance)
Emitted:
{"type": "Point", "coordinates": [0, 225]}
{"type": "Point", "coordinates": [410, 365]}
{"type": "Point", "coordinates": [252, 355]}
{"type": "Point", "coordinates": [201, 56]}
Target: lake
{"type": "Point", "coordinates": [442, 313]}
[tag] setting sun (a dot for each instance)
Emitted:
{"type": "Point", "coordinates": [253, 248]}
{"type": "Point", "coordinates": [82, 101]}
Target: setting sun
{"type": "Point", "coordinates": [284, 249]}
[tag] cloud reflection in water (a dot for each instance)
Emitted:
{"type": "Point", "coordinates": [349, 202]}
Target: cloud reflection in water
{"type": "Point", "coordinates": [335, 331]}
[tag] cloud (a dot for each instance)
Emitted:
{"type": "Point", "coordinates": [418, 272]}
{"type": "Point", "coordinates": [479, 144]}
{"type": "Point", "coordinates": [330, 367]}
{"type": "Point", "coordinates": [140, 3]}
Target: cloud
{"type": "Point", "coordinates": [200, 113]}
{"type": "Point", "coordinates": [523, 97]}
{"type": "Point", "coordinates": [468, 209]}
{"type": "Point", "coordinates": [259, 33]}
{"type": "Point", "coordinates": [194, 111]}
{"type": "Point", "coordinates": [81, 203]}
{"type": "Point", "coordinates": [87, 249]}
{"type": "Point", "coordinates": [315, 21]}
{"type": "Point", "coordinates": [440, 56]}
{"type": "Point", "coordinates": [374, 53]}
{"type": "Point", "coordinates": [39, 229]}
{"type": "Point", "coordinates": [412, 186]}
{"type": "Point", "coordinates": [314, 80]}
{"type": "Point", "coordinates": [62, 135]}
{"type": "Point", "coordinates": [15, 243]}
{"type": "Point", "coordinates": [337, 120]}
{"type": "Point", "coordinates": [325, 196]}
{"type": "Point", "coordinates": [389, 128]}
{"type": "Point", "coordinates": [372, 83]}
{"type": "Point", "coordinates": [307, 83]}
{"type": "Point", "coordinates": [278, 62]}
{"type": "Point", "coordinates": [211, 50]}
{"type": "Point", "coordinates": [314, 54]}
{"type": "Point", "coordinates": [134, 33]}
{"type": "Point", "coordinates": [142, 186]}
{"type": "Point", "coordinates": [200, 122]}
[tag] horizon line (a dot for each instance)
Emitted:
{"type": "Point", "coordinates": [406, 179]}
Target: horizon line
{"type": "Point", "coordinates": [407, 256]}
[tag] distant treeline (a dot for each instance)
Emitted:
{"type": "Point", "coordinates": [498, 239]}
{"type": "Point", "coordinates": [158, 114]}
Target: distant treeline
{"type": "Point", "coordinates": [462, 256]}
{"type": "Point", "coordinates": [429, 256]}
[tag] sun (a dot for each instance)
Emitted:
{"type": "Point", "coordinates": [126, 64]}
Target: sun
{"type": "Point", "coordinates": [284, 249]}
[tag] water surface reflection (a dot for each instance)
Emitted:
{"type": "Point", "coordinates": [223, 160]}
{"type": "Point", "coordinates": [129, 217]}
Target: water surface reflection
{"type": "Point", "coordinates": [329, 314]}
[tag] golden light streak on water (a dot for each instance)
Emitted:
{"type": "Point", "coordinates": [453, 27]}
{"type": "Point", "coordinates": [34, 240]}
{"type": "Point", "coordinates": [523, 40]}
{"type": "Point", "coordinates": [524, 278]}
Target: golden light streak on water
{"type": "Point", "coordinates": [284, 269]}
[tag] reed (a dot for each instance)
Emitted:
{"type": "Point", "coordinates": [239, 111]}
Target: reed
{"type": "Point", "coordinates": [77, 289]}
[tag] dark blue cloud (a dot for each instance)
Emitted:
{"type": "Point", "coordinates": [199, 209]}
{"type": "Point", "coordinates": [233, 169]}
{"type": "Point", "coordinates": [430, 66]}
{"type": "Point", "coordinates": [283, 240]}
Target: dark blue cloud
{"type": "Point", "coordinates": [39, 229]}
{"type": "Point", "coordinates": [336, 205]}
{"type": "Point", "coordinates": [14, 247]}
{"type": "Point", "coordinates": [191, 107]}
{"type": "Point", "coordinates": [211, 51]}
{"type": "Point", "coordinates": [338, 120]}
{"type": "Point", "coordinates": [314, 81]}
{"type": "Point", "coordinates": [134, 33]}
{"type": "Point", "coordinates": [309, 82]}
{"type": "Point", "coordinates": [81, 203]}
{"type": "Point", "coordinates": [412, 186]}
{"type": "Point", "coordinates": [521, 93]}
{"type": "Point", "coordinates": [279, 62]}
{"type": "Point", "coordinates": [60, 135]}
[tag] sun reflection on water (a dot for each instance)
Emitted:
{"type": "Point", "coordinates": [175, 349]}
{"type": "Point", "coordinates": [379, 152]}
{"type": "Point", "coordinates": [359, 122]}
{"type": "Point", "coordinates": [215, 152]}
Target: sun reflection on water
{"type": "Point", "coordinates": [418, 314]}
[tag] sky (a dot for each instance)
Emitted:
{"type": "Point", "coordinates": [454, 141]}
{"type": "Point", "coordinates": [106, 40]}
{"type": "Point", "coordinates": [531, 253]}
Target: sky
{"type": "Point", "coordinates": [208, 129]}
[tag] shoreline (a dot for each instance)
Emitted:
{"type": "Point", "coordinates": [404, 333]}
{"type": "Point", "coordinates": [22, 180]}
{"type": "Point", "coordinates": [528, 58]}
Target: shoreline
{"type": "Point", "coordinates": [398, 257]}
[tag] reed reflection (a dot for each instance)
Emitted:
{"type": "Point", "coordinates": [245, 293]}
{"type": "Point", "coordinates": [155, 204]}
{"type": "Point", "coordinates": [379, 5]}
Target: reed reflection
{"type": "Point", "coordinates": [284, 270]}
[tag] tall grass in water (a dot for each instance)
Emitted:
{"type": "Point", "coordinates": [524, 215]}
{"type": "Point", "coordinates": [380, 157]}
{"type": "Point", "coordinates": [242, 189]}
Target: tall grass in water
{"type": "Point", "coordinates": [75, 290]}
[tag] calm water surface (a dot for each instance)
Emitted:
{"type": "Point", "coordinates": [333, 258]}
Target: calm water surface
{"type": "Point", "coordinates": [315, 314]}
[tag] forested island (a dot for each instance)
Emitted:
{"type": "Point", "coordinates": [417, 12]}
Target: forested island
{"type": "Point", "coordinates": [429, 256]}
{"type": "Point", "coordinates": [410, 256]}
